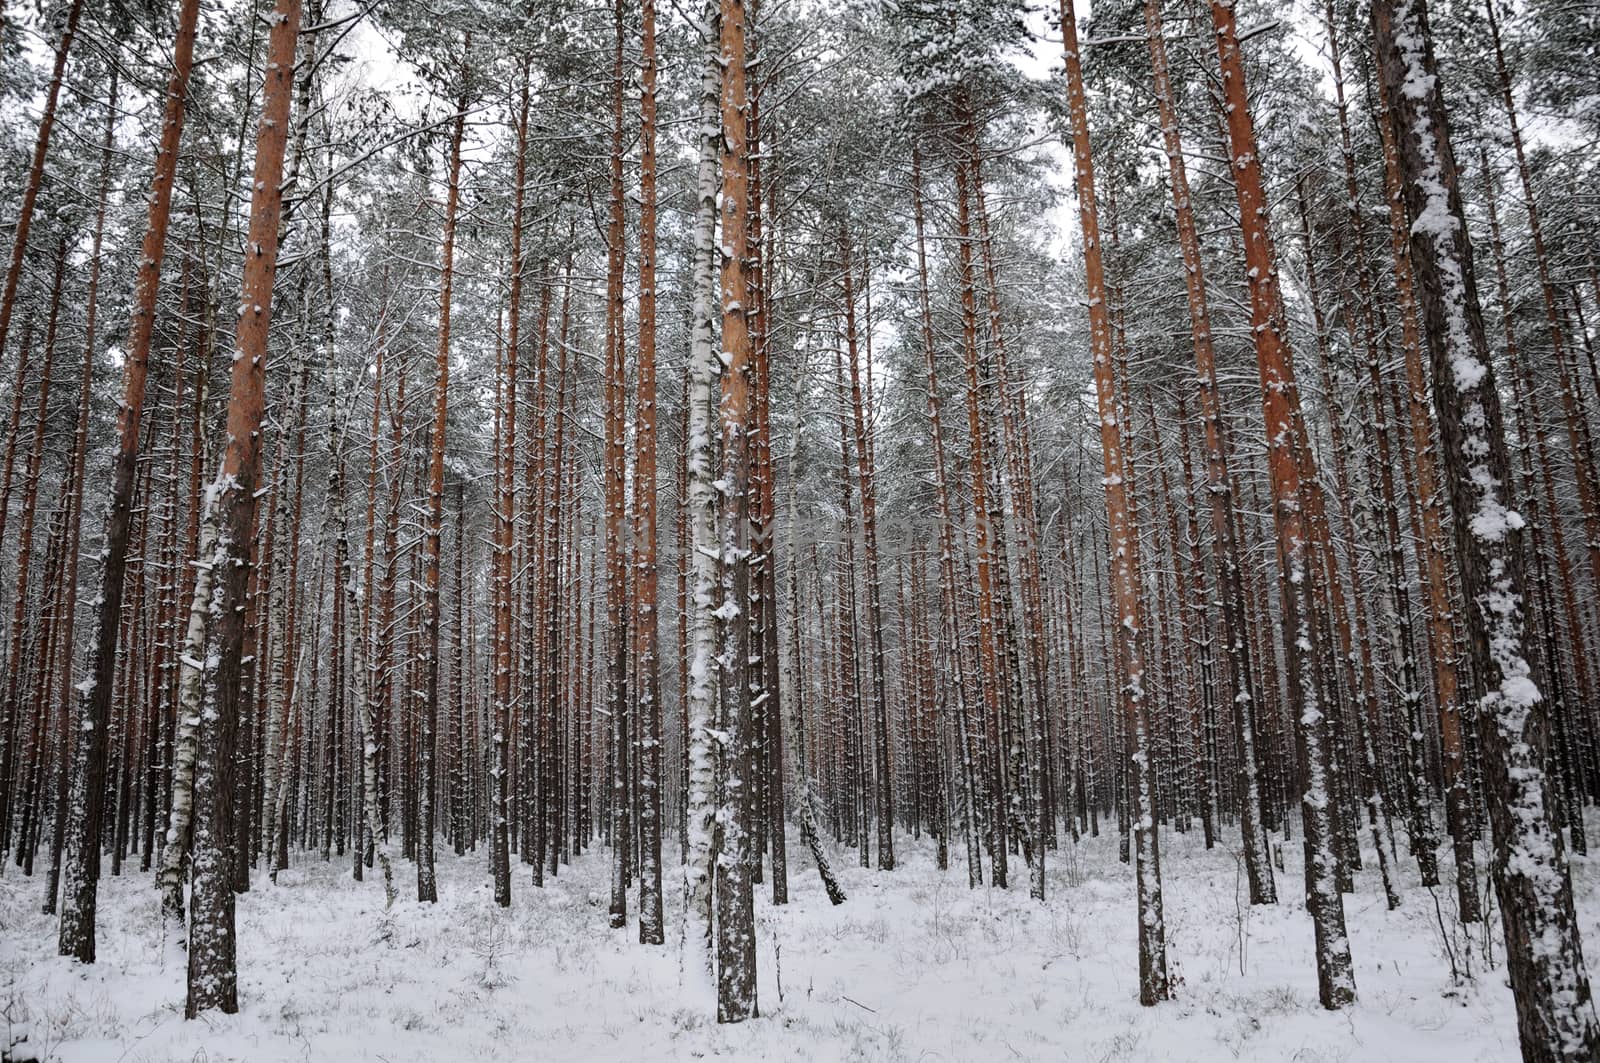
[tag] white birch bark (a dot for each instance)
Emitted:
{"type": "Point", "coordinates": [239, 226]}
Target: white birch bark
{"type": "Point", "coordinates": [191, 682]}
{"type": "Point", "coordinates": [704, 372]}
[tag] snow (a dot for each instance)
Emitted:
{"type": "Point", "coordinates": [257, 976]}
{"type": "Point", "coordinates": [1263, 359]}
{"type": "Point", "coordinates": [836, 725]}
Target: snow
{"type": "Point", "coordinates": [913, 966]}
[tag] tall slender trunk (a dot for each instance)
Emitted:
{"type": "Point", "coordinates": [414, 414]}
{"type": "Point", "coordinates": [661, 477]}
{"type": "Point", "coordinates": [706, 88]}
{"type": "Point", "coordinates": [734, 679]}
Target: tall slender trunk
{"type": "Point", "coordinates": [989, 676]}
{"type": "Point", "coordinates": [1402, 641]}
{"type": "Point", "coordinates": [704, 369]}
{"type": "Point", "coordinates": [646, 622]}
{"type": "Point", "coordinates": [83, 844]}
{"type": "Point", "coordinates": [797, 711]}
{"type": "Point", "coordinates": [1028, 679]}
{"type": "Point", "coordinates": [505, 526]}
{"type": "Point", "coordinates": [213, 971]}
{"type": "Point", "coordinates": [1225, 549]}
{"type": "Point", "coordinates": [1299, 567]}
{"type": "Point", "coordinates": [1369, 779]}
{"type": "Point", "coordinates": [1123, 534]}
{"type": "Point", "coordinates": [21, 653]}
{"type": "Point", "coordinates": [1544, 956]}
{"type": "Point", "coordinates": [369, 834]}
{"type": "Point", "coordinates": [1440, 592]}
{"type": "Point", "coordinates": [427, 885]}
{"type": "Point", "coordinates": [186, 714]}
{"type": "Point", "coordinates": [615, 499]}
{"type": "Point", "coordinates": [869, 532]}
{"type": "Point", "coordinates": [1541, 498]}
{"type": "Point", "coordinates": [551, 474]}
{"type": "Point", "coordinates": [948, 585]}
{"type": "Point", "coordinates": [80, 442]}
{"type": "Point", "coordinates": [736, 937]}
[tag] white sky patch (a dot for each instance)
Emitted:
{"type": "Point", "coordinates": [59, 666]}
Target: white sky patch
{"type": "Point", "coordinates": [1042, 61]}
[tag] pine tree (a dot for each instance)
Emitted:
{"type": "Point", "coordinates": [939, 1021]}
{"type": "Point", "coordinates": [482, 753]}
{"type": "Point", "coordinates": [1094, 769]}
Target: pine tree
{"type": "Point", "coordinates": [213, 967]}
{"type": "Point", "coordinates": [1555, 1013]}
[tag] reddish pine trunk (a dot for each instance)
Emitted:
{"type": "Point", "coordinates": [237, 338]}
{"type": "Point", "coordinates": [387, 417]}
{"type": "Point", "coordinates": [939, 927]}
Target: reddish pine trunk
{"type": "Point", "coordinates": [213, 972]}
{"type": "Point", "coordinates": [83, 844]}
{"type": "Point", "coordinates": [652, 930]}
{"type": "Point", "coordinates": [1123, 534]}
{"type": "Point", "coordinates": [735, 929]}
{"type": "Point", "coordinates": [1291, 492]}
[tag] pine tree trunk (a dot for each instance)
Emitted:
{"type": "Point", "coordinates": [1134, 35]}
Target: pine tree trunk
{"type": "Point", "coordinates": [947, 546]}
{"type": "Point", "coordinates": [64, 752]}
{"type": "Point", "coordinates": [30, 191]}
{"type": "Point", "coordinates": [213, 972]}
{"type": "Point", "coordinates": [551, 473]}
{"type": "Point", "coordinates": [1441, 593]}
{"type": "Point", "coordinates": [427, 886]}
{"type": "Point", "coordinates": [1369, 777]}
{"type": "Point", "coordinates": [89, 765]}
{"type": "Point", "coordinates": [67, 642]}
{"type": "Point", "coordinates": [22, 650]}
{"type": "Point", "coordinates": [1574, 653]}
{"type": "Point", "coordinates": [1298, 564]}
{"type": "Point", "coordinates": [505, 525]}
{"type": "Point", "coordinates": [647, 624]}
{"type": "Point", "coordinates": [869, 531]}
{"type": "Point", "coordinates": [1544, 957]}
{"type": "Point", "coordinates": [1225, 549]}
{"type": "Point", "coordinates": [1123, 534]}
{"type": "Point", "coordinates": [348, 596]}
{"type": "Point", "coordinates": [736, 937]}
{"type": "Point", "coordinates": [989, 677]}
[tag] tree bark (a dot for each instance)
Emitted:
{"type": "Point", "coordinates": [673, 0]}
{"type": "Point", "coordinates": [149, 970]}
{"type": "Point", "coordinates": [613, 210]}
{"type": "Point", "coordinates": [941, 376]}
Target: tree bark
{"type": "Point", "coordinates": [736, 938]}
{"type": "Point", "coordinates": [1295, 540]}
{"type": "Point", "coordinates": [1544, 956]}
{"type": "Point", "coordinates": [83, 844]}
{"type": "Point", "coordinates": [646, 623]}
{"type": "Point", "coordinates": [213, 971]}
{"type": "Point", "coordinates": [1123, 534]}
{"type": "Point", "coordinates": [704, 370]}
{"type": "Point", "coordinates": [1225, 550]}
{"type": "Point", "coordinates": [427, 884]}
{"type": "Point", "coordinates": [30, 191]}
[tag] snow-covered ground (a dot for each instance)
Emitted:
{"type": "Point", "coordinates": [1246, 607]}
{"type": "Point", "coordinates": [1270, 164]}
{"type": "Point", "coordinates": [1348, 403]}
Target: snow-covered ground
{"type": "Point", "coordinates": [914, 966]}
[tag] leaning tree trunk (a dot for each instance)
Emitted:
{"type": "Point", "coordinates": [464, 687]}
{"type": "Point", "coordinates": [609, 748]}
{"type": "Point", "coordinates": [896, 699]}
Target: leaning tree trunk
{"type": "Point", "coordinates": [30, 191]}
{"type": "Point", "coordinates": [1290, 490]}
{"type": "Point", "coordinates": [89, 763]}
{"type": "Point", "coordinates": [1544, 956]}
{"type": "Point", "coordinates": [1123, 533]}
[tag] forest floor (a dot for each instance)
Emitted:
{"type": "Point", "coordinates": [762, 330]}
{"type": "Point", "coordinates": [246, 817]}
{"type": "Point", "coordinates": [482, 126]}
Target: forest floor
{"type": "Point", "coordinates": [914, 966]}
